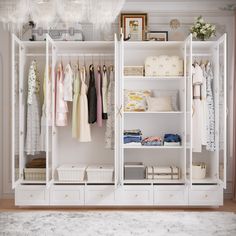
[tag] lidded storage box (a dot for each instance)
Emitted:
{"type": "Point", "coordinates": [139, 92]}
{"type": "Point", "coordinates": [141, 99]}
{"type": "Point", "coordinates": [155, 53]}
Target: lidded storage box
{"type": "Point", "coordinates": [71, 172]}
{"type": "Point", "coordinates": [134, 170]}
{"type": "Point", "coordinates": [36, 174]}
{"type": "Point", "coordinates": [100, 173]}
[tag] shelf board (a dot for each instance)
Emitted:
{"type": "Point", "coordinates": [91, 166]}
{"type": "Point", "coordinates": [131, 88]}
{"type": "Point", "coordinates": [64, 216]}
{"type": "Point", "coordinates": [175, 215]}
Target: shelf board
{"type": "Point", "coordinates": [81, 182]}
{"type": "Point", "coordinates": [205, 181]}
{"type": "Point", "coordinates": [155, 181]}
{"type": "Point", "coordinates": [33, 182]}
{"type": "Point", "coordinates": [151, 147]}
{"type": "Point", "coordinates": [153, 112]}
{"type": "Point", "coordinates": [148, 78]}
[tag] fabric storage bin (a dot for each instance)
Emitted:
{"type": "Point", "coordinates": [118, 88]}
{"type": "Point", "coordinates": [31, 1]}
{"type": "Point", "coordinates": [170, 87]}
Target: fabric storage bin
{"type": "Point", "coordinates": [169, 172]}
{"type": "Point", "coordinates": [100, 173]}
{"type": "Point", "coordinates": [133, 71]}
{"type": "Point", "coordinates": [71, 172]}
{"type": "Point", "coordinates": [37, 174]}
{"type": "Point", "coordinates": [164, 66]}
{"type": "Point", "coordinates": [134, 170]}
{"type": "Point", "coordinates": [199, 170]}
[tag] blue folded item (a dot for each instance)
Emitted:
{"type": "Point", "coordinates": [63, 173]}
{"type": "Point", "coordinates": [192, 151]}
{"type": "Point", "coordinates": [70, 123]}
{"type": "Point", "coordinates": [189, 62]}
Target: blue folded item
{"type": "Point", "coordinates": [132, 139]}
{"type": "Point", "coordinates": [172, 138]}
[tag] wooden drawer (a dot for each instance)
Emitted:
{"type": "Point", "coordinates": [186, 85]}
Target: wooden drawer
{"type": "Point", "coordinates": [135, 195]}
{"type": "Point", "coordinates": [206, 195]}
{"type": "Point", "coordinates": [67, 195]}
{"type": "Point", "coordinates": [170, 195]}
{"type": "Point", "coordinates": [31, 195]}
{"type": "Point", "coordinates": [100, 195]}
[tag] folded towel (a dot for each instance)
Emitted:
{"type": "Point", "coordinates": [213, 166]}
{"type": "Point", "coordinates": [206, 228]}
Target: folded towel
{"type": "Point", "coordinates": [133, 132]}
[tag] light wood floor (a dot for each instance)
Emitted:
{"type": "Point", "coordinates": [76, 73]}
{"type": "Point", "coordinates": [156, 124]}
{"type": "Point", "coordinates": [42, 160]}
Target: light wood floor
{"type": "Point", "coordinates": [8, 205]}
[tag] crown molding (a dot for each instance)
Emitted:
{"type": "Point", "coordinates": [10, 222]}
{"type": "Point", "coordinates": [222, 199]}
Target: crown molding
{"type": "Point", "coordinates": [185, 8]}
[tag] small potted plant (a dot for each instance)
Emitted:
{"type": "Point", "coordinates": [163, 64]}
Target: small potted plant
{"type": "Point", "coordinates": [202, 30]}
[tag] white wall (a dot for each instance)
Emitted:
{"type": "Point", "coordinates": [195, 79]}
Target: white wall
{"type": "Point", "coordinates": [160, 13]}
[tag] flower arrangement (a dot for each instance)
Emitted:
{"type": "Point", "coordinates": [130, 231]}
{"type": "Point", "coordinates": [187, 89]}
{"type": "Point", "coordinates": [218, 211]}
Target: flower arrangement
{"type": "Point", "coordinates": [202, 30]}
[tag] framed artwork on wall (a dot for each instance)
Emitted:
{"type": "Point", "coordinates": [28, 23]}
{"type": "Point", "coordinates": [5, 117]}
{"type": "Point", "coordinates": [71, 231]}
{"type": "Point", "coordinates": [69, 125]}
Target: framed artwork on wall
{"type": "Point", "coordinates": [134, 26]}
{"type": "Point", "coordinates": [157, 36]}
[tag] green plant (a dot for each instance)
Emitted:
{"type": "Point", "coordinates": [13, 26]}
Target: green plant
{"type": "Point", "coordinates": [202, 30]}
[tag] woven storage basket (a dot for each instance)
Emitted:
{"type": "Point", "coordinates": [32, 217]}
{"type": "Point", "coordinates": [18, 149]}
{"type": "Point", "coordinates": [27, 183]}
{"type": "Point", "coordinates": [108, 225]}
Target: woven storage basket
{"type": "Point", "coordinates": [35, 174]}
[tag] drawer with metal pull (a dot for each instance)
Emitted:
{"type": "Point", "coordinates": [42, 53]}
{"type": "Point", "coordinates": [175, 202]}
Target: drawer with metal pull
{"type": "Point", "coordinates": [67, 195]}
{"type": "Point", "coordinates": [135, 195]}
{"type": "Point", "coordinates": [28, 195]}
{"type": "Point", "coordinates": [170, 195]}
{"type": "Point", "coordinates": [206, 195]}
{"type": "Point", "coordinates": [100, 195]}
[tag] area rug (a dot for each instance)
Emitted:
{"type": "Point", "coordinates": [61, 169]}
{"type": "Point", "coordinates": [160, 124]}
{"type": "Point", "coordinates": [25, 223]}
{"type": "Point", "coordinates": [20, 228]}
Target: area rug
{"type": "Point", "coordinates": [120, 223]}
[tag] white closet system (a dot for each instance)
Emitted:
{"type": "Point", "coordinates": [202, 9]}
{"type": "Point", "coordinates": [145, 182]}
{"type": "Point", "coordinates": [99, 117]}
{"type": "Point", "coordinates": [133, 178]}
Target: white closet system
{"type": "Point", "coordinates": [61, 148]}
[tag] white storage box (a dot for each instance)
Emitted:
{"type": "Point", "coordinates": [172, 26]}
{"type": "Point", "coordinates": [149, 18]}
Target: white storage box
{"type": "Point", "coordinates": [36, 174]}
{"type": "Point", "coordinates": [199, 170]}
{"type": "Point", "coordinates": [71, 172]}
{"type": "Point", "coordinates": [100, 173]}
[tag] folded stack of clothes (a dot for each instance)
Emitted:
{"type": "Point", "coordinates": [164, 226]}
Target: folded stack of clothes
{"type": "Point", "coordinates": [132, 137]}
{"type": "Point", "coordinates": [152, 141]}
{"type": "Point", "coordinates": [172, 140]}
{"type": "Point", "coordinates": [36, 163]}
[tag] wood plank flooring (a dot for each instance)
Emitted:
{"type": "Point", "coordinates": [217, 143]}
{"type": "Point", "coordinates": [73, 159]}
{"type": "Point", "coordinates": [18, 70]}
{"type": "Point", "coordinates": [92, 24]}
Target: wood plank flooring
{"type": "Point", "coordinates": [7, 205]}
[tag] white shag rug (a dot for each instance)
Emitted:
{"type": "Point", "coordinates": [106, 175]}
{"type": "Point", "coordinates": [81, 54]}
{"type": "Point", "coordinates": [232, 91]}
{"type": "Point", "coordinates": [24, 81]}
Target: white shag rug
{"type": "Point", "coordinates": [120, 223]}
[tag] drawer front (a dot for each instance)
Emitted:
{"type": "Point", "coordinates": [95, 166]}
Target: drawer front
{"type": "Point", "coordinates": [100, 195]}
{"type": "Point", "coordinates": [204, 196]}
{"type": "Point", "coordinates": [67, 195]}
{"type": "Point", "coordinates": [172, 196]}
{"type": "Point", "coordinates": [29, 195]}
{"type": "Point", "coordinates": [135, 195]}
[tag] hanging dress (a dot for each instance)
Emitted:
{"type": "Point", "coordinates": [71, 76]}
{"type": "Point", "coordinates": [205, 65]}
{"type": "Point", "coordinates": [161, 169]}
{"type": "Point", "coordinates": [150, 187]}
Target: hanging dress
{"type": "Point", "coordinates": [211, 145]}
{"type": "Point", "coordinates": [99, 97]}
{"type": "Point", "coordinates": [68, 84]}
{"type": "Point", "coordinates": [84, 126]}
{"type": "Point", "coordinates": [46, 109]}
{"type": "Point", "coordinates": [92, 97]}
{"type": "Point", "coordinates": [61, 105]}
{"type": "Point", "coordinates": [204, 106]}
{"type": "Point", "coordinates": [75, 123]}
{"type": "Point", "coordinates": [32, 142]}
{"type": "Point", "coordinates": [110, 125]}
{"type": "Point", "coordinates": [197, 109]}
{"type": "Point", "coordinates": [104, 92]}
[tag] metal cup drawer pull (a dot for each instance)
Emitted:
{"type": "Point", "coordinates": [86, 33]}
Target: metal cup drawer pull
{"type": "Point", "coordinates": [206, 196]}
{"type": "Point", "coordinates": [66, 195]}
{"type": "Point", "coordinates": [171, 195]}
{"type": "Point", "coordinates": [31, 195]}
{"type": "Point", "coordinates": [101, 195]}
{"type": "Point", "coordinates": [136, 195]}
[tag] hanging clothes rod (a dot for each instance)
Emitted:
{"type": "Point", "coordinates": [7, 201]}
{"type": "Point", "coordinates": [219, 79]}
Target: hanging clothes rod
{"type": "Point", "coordinates": [35, 55]}
{"type": "Point", "coordinates": [84, 55]}
{"type": "Point", "coordinates": [202, 54]}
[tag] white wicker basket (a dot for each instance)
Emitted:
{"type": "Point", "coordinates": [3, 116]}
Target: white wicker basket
{"type": "Point", "coordinates": [100, 173]}
{"type": "Point", "coordinates": [199, 170]}
{"type": "Point", "coordinates": [37, 174]}
{"type": "Point", "coordinates": [71, 172]}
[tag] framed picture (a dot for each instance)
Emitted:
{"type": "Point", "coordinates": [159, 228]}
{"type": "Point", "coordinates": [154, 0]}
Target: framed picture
{"type": "Point", "coordinates": [157, 36]}
{"type": "Point", "coordinates": [134, 26]}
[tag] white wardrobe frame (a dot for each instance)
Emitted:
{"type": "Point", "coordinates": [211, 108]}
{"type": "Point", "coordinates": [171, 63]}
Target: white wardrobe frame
{"type": "Point", "coordinates": [119, 192]}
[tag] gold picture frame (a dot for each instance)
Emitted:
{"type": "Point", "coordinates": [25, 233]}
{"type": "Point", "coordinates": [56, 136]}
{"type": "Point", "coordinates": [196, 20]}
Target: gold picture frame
{"type": "Point", "coordinates": [134, 26]}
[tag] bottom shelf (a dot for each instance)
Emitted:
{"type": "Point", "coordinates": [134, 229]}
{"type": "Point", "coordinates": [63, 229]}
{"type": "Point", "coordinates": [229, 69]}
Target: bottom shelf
{"type": "Point", "coordinates": [207, 180]}
{"type": "Point", "coordinates": [155, 181]}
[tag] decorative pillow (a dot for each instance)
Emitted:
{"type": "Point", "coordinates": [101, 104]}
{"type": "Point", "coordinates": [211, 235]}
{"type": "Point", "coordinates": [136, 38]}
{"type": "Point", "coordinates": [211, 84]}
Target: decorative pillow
{"type": "Point", "coordinates": [174, 94]}
{"type": "Point", "coordinates": [135, 100]}
{"type": "Point", "coordinates": [159, 104]}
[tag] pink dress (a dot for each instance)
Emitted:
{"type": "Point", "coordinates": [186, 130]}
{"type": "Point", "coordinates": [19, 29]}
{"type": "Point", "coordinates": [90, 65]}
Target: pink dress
{"type": "Point", "coordinates": [61, 105]}
{"type": "Point", "coordinates": [99, 99]}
